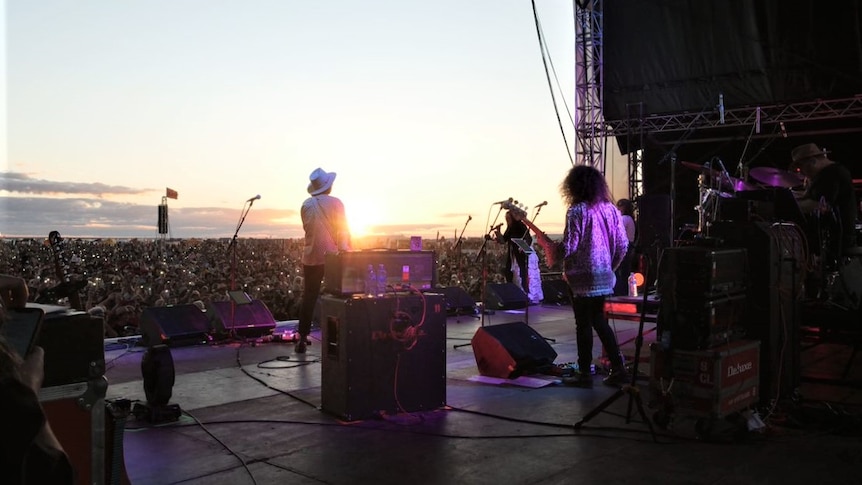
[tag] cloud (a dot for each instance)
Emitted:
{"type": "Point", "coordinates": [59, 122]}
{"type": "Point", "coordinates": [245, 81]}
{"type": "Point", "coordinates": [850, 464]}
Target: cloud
{"type": "Point", "coordinates": [17, 182]}
{"type": "Point", "coordinates": [90, 217]}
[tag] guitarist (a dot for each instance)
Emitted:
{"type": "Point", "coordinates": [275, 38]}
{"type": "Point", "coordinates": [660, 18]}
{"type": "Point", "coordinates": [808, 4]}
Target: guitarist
{"type": "Point", "coordinates": [594, 244]}
{"type": "Point", "coordinates": [514, 229]}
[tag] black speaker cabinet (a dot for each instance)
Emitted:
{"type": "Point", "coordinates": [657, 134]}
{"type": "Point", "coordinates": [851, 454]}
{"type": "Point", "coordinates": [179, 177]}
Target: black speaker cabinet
{"type": "Point", "coordinates": [251, 319]}
{"type": "Point", "coordinates": [504, 296]}
{"type": "Point", "coordinates": [383, 355]}
{"type": "Point", "coordinates": [456, 299]}
{"type": "Point", "coordinates": [174, 325]}
{"type": "Point", "coordinates": [509, 350]}
{"type": "Point", "coordinates": [74, 345]}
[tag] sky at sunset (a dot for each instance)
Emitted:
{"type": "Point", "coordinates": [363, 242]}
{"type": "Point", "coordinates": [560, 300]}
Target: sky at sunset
{"type": "Point", "coordinates": [429, 112]}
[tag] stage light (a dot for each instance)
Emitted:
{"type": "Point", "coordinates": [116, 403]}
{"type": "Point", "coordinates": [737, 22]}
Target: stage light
{"type": "Point", "coordinates": [157, 369]}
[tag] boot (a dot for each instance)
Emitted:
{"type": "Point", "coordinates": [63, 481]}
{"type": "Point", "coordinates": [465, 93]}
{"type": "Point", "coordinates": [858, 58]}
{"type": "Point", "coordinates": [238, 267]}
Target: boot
{"type": "Point", "coordinates": [618, 375]}
{"type": "Point", "coordinates": [580, 379]}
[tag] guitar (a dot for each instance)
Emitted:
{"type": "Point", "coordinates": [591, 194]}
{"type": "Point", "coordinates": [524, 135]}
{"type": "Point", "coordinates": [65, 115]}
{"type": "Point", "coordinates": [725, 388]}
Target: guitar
{"type": "Point", "coordinates": [66, 287]}
{"type": "Point", "coordinates": [520, 214]}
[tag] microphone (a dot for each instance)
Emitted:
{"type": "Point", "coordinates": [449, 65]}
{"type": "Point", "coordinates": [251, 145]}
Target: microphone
{"type": "Point", "coordinates": [757, 120]}
{"type": "Point", "coordinates": [543, 204]}
{"type": "Point", "coordinates": [721, 108]}
{"type": "Point", "coordinates": [469, 218]}
{"type": "Point", "coordinates": [783, 129]}
{"type": "Point", "coordinates": [725, 173]}
{"type": "Point", "coordinates": [256, 197]}
{"type": "Point", "coordinates": [504, 201]}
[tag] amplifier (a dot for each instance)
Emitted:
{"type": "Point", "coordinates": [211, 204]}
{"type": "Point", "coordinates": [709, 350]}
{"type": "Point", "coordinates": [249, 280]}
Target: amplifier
{"type": "Point", "coordinates": [383, 355]}
{"type": "Point", "coordinates": [346, 271]}
{"type": "Point", "coordinates": [701, 323]}
{"type": "Point", "coordinates": [74, 345]}
{"type": "Point", "coordinates": [702, 271]}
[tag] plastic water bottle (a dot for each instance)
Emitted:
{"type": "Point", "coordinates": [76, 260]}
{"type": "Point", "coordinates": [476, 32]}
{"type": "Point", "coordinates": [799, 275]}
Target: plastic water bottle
{"type": "Point", "coordinates": [381, 280]}
{"type": "Point", "coordinates": [370, 282]}
{"type": "Point", "coordinates": [633, 285]}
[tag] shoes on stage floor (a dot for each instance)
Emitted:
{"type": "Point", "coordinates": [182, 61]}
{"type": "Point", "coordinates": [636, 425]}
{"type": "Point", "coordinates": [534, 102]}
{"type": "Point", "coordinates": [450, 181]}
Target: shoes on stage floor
{"type": "Point", "coordinates": [300, 346]}
{"type": "Point", "coordinates": [579, 379]}
{"type": "Point", "coordinates": [617, 377]}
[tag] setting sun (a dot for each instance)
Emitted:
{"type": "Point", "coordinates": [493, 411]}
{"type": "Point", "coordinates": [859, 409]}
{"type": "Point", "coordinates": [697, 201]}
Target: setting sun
{"type": "Point", "coordinates": [362, 217]}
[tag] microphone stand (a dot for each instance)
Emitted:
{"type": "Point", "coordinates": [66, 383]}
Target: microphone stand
{"type": "Point", "coordinates": [527, 310]}
{"type": "Point", "coordinates": [458, 247]}
{"type": "Point", "coordinates": [232, 250]}
{"type": "Point", "coordinates": [481, 255]}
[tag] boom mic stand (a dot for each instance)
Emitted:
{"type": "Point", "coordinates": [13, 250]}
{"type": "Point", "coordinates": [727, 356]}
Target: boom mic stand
{"type": "Point", "coordinates": [630, 389]}
{"type": "Point", "coordinates": [232, 249]}
{"type": "Point", "coordinates": [527, 310]}
{"type": "Point", "coordinates": [458, 247]}
{"type": "Point", "coordinates": [481, 255]}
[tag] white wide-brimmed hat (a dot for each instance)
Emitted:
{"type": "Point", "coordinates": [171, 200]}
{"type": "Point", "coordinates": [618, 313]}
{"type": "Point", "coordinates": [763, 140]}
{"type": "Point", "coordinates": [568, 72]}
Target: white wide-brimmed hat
{"type": "Point", "coordinates": [321, 181]}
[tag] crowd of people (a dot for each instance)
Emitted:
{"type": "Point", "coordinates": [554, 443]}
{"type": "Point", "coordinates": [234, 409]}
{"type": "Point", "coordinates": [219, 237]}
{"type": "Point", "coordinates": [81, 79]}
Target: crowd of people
{"type": "Point", "coordinates": [118, 279]}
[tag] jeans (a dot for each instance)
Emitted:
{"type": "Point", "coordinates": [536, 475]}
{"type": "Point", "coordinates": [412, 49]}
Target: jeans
{"type": "Point", "coordinates": [312, 277]}
{"type": "Point", "coordinates": [589, 315]}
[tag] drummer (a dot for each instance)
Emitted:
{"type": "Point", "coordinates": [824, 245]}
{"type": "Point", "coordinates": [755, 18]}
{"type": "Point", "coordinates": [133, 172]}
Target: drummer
{"type": "Point", "coordinates": [829, 193]}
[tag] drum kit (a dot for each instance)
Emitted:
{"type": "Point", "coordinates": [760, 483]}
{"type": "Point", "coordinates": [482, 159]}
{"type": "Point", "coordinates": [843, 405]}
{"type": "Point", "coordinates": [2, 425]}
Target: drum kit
{"type": "Point", "coordinates": [715, 184]}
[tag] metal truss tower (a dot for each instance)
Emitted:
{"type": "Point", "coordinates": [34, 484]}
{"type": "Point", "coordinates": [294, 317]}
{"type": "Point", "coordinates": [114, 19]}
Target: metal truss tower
{"type": "Point", "coordinates": [589, 124]}
{"type": "Point", "coordinates": [820, 109]}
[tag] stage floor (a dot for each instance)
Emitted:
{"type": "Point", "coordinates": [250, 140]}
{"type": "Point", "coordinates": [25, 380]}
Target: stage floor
{"type": "Point", "coordinates": [252, 414]}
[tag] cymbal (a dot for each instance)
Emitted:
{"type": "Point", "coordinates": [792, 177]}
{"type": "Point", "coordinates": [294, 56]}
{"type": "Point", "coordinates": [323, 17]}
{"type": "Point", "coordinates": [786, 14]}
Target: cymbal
{"type": "Point", "coordinates": [737, 185]}
{"type": "Point", "coordinates": [775, 177]}
{"type": "Point", "coordinates": [701, 168]}
{"type": "Point", "coordinates": [719, 179]}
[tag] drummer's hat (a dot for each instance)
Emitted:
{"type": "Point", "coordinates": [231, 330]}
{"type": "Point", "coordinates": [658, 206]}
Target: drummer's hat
{"type": "Point", "coordinates": [806, 152]}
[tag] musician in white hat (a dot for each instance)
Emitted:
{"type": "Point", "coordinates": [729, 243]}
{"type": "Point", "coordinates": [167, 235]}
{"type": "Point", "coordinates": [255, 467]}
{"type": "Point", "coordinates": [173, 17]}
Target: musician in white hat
{"type": "Point", "coordinates": [326, 231]}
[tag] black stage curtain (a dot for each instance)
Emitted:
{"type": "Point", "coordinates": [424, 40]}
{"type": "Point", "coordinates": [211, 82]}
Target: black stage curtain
{"type": "Point", "coordinates": [677, 56]}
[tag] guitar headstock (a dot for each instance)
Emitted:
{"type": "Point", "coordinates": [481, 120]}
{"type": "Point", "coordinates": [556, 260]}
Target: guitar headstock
{"type": "Point", "coordinates": [518, 211]}
{"type": "Point", "coordinates": [55, 239]}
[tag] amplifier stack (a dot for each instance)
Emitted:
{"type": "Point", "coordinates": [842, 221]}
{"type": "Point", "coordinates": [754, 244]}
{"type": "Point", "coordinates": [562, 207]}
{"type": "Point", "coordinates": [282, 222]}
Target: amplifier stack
{"type": "Point", "coordinates": [714, 372]}
{"type": "Point", "coordinates": [702, 296]}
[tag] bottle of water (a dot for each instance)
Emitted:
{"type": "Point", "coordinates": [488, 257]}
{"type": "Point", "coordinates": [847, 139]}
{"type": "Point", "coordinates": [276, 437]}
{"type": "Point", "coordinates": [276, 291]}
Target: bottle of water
{"type": "Point", "coordinates": [381, 280]}
{"type": "Point", "coordinates": [370, 282]}
{"type": "Point", "coordinates": [633, 285]}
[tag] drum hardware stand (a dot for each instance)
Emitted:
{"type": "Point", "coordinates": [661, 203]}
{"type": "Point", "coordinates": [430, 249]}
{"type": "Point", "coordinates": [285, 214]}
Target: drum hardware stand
{"type": "Point", "coordinates": [630, 389]}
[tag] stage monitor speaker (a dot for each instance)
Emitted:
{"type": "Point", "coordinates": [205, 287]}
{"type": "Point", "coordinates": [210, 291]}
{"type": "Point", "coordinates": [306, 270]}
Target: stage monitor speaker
{"type": "Point", "coordinates": [556, 292]}
{"type": "Point", "coordinates": [383, 355]}
{"type": "Point", "coordinates": [456, 299]}
{"type": "Point", "coordinates": [504, 296]}
{"type": "Point", "coordinates": [252, 319]}
{"type": "Point", "coordinates": [174, 325]}
{"type": "Point", "coordinates": [509, 350]}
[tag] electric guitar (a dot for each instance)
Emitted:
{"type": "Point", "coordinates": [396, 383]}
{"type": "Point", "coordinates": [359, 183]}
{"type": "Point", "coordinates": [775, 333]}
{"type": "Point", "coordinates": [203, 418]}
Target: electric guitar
{"type": "Point", "coordinates": [520, 214]}
{"type": "Point", "coordinates": [66, 287]}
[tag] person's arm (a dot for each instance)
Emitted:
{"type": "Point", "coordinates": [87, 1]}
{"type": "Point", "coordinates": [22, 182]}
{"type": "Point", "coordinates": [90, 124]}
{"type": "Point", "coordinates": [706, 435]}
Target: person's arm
{"type": "Point", "coordinates": [30, 446]}
{"type": "Point", "coordinates": [32, 374]}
